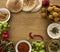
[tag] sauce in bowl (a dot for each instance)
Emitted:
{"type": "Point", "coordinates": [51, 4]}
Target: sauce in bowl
{"type": "Point", "coordinates": [23, 47]}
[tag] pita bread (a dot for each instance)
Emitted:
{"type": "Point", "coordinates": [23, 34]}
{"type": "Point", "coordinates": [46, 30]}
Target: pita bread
{"type": "Point", "coordinates": [14, 5]}
{"type": "Point", "coordinates": [28, 5]}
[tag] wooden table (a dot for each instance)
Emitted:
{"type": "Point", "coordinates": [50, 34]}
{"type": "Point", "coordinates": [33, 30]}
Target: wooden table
{"type": "Point", "coordinates": [23, 23]}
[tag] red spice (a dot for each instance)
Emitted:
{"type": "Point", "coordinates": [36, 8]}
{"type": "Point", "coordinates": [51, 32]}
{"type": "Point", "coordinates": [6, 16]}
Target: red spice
{"type": "Point", "coordinates": [23, 47]}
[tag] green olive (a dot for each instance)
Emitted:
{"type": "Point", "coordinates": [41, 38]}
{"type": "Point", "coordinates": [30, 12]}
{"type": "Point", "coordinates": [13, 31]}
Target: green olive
{"type": "Point", "coordinates": [55, 14]}
{"type": "Point", "coordinates": [56, 9]}
{"type": "Point", "coordinates": [50, 9]}
{"type": "Point", "coordinates": [43, 14]}
{"type": "Point", "coordinates": [59, 14]}
{"type": "Point", "coordinates": [43, 9]}
{"type": "Point", "coordinates": [56, 19]}
{"type": "Point", "coordinates": [54, 6]}
{"type": "Point", "coordinates": [51, 16]}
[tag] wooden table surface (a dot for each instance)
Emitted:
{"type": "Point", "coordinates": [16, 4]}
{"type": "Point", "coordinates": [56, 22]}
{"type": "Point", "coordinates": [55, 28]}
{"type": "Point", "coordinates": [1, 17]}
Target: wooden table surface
{"type": "Point", "coordinates": [23, 23]}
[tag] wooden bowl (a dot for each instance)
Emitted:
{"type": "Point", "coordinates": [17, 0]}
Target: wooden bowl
{"type": "Point", "coordinates": [52, 40]}
{"type": "Point", "coordinates": [51, 20]}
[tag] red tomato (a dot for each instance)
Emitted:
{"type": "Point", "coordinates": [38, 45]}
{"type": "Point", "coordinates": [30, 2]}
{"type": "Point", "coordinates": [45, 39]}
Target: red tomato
{"type": "Point", "coordinates": [45, 2]}
{"type": "Point", "coordinates": [5, 35]}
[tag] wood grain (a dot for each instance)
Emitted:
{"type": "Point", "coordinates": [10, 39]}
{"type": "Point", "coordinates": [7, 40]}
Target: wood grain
{"type": "Point", "coordinates": [23, 23]}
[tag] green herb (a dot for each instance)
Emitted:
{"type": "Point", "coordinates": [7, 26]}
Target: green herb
{"type": "Point", "coordinates": [55, 30]}
{"type": "Point", "coordinates": [54, 46]}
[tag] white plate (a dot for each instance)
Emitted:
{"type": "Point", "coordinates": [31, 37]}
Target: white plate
{"type": "Point", "coordinates": [38, 7]}
{"type": "Point", "coordinates": [16, 47]}
{"type": "Point", "coordinates": [52, 35]}
{"type": "Point", "coordinates": [4, 9]}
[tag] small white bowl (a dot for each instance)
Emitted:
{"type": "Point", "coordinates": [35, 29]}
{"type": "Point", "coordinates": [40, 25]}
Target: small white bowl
{"type": "Point", "coordinates": [16, 47]}
{"type": "Point", "coordinates": [52, 35]}
{"type": "Point", "coordinates": [4, 9]}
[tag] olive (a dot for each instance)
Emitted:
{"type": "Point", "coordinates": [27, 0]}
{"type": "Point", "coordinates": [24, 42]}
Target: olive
{"type": "Point", "coordinates": [43, 9]}
{"type": "Point", "coordinates": [50, 8]}
{"type": "Point", "coordinates": [56, 19]}
{"type": "Point", "coordinates": [56, 9]}
{"type": "Point", "coordinates": [43, 14]}
{"type": "Point", "coordinates": [55, 14]}
{"type": "Point", "coordinates": [54, 6]}
{"type": "Point", "coordinates": [59, 14]}
{"type": "Point", "coordinates": [51, 16]}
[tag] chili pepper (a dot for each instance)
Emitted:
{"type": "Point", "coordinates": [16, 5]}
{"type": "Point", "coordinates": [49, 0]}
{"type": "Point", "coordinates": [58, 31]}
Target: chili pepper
{"type": "Point", "coordinates": [30, 35]}
{"type": "Point", "coordinates": [38, 36]}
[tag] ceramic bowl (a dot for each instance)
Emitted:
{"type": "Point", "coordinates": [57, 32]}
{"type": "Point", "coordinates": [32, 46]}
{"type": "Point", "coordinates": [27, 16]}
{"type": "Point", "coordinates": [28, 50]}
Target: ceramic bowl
{"type": "Point", "coordinates": [16, 47]}
{"type": "Point", "coordinates": [52, 35]}
{"type": "Point", "coordinates": [6, 10]}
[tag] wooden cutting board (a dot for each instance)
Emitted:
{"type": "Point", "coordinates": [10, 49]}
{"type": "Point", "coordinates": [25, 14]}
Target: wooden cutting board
{"type": "Point", "coordinates": [23, 23]}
